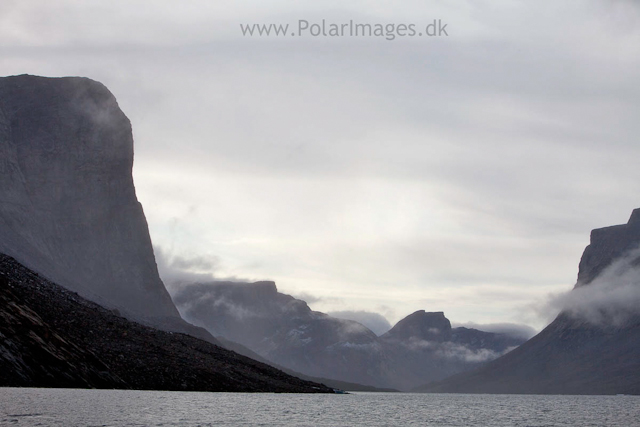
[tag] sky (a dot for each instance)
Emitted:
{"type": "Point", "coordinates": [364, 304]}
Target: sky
{"type": "Point", "coordinates": [460, 172]}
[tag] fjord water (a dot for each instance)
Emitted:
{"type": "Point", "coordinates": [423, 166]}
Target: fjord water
{"type": "Point", "coordinates": [66, 407]}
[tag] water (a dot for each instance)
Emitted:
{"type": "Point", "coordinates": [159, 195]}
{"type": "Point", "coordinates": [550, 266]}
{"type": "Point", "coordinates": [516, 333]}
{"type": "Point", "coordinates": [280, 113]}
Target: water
{"type": "Point", "coordinates": [62, 407]}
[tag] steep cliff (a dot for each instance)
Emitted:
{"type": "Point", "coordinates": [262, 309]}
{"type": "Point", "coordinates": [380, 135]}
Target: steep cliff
{"type": "Point", "coordinates": [606, 245]}
{"type": "Point", "coordinates": [593, 346]}
{"type": "Point", "coordinates": [68, 207]}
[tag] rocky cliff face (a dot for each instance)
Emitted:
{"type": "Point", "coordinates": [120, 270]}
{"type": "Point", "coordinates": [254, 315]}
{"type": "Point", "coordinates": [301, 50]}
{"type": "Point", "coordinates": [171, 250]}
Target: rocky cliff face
{"type": "Point", "coordinates": [68, 207]}
{"type": "Point", "coordinates": [52, 337]}
{"type": "Point", "coordinates": [285, 331]}
{"type": "Point", "coordinates": [606, 245]}
{"type": "Point", "coordinates": [594, 348]}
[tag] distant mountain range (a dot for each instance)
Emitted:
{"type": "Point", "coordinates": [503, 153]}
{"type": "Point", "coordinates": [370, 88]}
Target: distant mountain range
{"type": "Point", "coordinates": [284, 330]}
{"type": "Point", "coordinates": [593, 346]}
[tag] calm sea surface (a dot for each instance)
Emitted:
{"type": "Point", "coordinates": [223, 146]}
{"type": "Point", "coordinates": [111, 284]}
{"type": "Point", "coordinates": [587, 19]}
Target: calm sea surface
{"type": "Point", "coordinates": [60, 407]}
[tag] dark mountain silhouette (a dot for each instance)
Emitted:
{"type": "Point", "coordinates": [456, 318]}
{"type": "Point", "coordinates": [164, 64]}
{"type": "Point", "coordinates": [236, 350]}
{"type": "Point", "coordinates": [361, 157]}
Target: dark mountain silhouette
{"type": "Point", "coordinates": [52, 337]}
{"type": "Point", "coordinates": [592, 348]}
{"type": "Point", "coordinates": [286, 332]}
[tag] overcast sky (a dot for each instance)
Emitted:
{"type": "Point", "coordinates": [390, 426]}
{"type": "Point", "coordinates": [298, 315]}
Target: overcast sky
{"type": "Point", "coordinates": [460, 173]}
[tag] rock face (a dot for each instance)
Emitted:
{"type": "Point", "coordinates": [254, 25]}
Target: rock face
{"type": "Point", "coordinates": [68, 207]}
{"type": "Point", "coordinates": [576, 354]}
{"type": "Point", "coordinates": [608, 244]}
{"type": "Point", "coordinates": [285, 331]}
{"type": "Point", "coordinates": [51, 337]}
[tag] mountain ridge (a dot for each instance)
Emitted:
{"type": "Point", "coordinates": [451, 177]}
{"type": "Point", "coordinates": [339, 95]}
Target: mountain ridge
{"type": "Point", "coordinates": [286, 332]}
{"type": "Point", "coordinates": [68, 207]}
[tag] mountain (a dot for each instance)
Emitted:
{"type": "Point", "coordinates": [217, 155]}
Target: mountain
{"type": "Point", "coordinates": [68, 207]}
{"type": "Point", "coordinates": [607, 245]}
{"type": "Point", "coordinates": [424, 347]}
{"type": "Point", "coordinates": [331, 383]}
{"type": "Point", "coordinates": [286, 332]}
{"type": "Point", "coordinates": [52, 337]}
{"type": "Point", "coordinates": [593, 346]}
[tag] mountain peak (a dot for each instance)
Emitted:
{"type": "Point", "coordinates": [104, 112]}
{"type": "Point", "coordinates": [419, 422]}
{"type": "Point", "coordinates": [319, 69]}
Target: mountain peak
{"type": "Point", "coordinates": [606, 245]}
{"type": "Point", "coordinates": [266, 287]}
{"type": "Point", "coordinates": [423, 325]}
{"type": "Point", "coordinates": [635, 217]}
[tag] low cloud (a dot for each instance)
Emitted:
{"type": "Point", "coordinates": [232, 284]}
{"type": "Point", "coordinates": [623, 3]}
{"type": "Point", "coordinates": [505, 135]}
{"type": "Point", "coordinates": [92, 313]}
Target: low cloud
{"type": "Point", "coordinates": [178, 269]}
{"type": "Point", "coordinates": [205, 304]}
{"type": "Point", "coordinates": [241, 300]}
{"type": "Point", "coordinates": [306, 297]}
{"type": "Point", "coordinates": [197, 262]}
{"type": "Point", "coordinates": [451, 350]}
{"type": "Point", "coordinates": [611, 299]}
{"type": "Point", "coordinates": [374, 321]}
{"type": "Point", "coordinates": [348, 330]}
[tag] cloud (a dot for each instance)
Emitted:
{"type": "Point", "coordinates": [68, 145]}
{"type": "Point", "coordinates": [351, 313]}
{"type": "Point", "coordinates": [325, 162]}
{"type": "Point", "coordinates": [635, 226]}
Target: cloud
{"type": "Point", "coordinates": [451, 350]}
{"type": "Point", "coordinates": [348, 329]}
{"type": "Point", "coordinates": [307, 297]}
{"type": "Point", "coordinates": [179, 269]}
{"type": "Point", "coordinates": [175, 269]}
{"type": "Point", "coordinates": [222, 306]}
{"type": "Point", "coordinates": [197, 262]}
{"type": "Point", "coordinates": [374, 321]}
{"type": "Point", "coordinates": [611, 299]}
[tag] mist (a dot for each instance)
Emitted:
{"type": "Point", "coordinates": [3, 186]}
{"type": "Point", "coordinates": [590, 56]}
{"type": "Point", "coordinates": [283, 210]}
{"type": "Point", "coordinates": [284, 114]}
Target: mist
{"type": "Point", "coordinates": [611, 299]}
{"type": "Point", "coordinates": [374, 321]}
